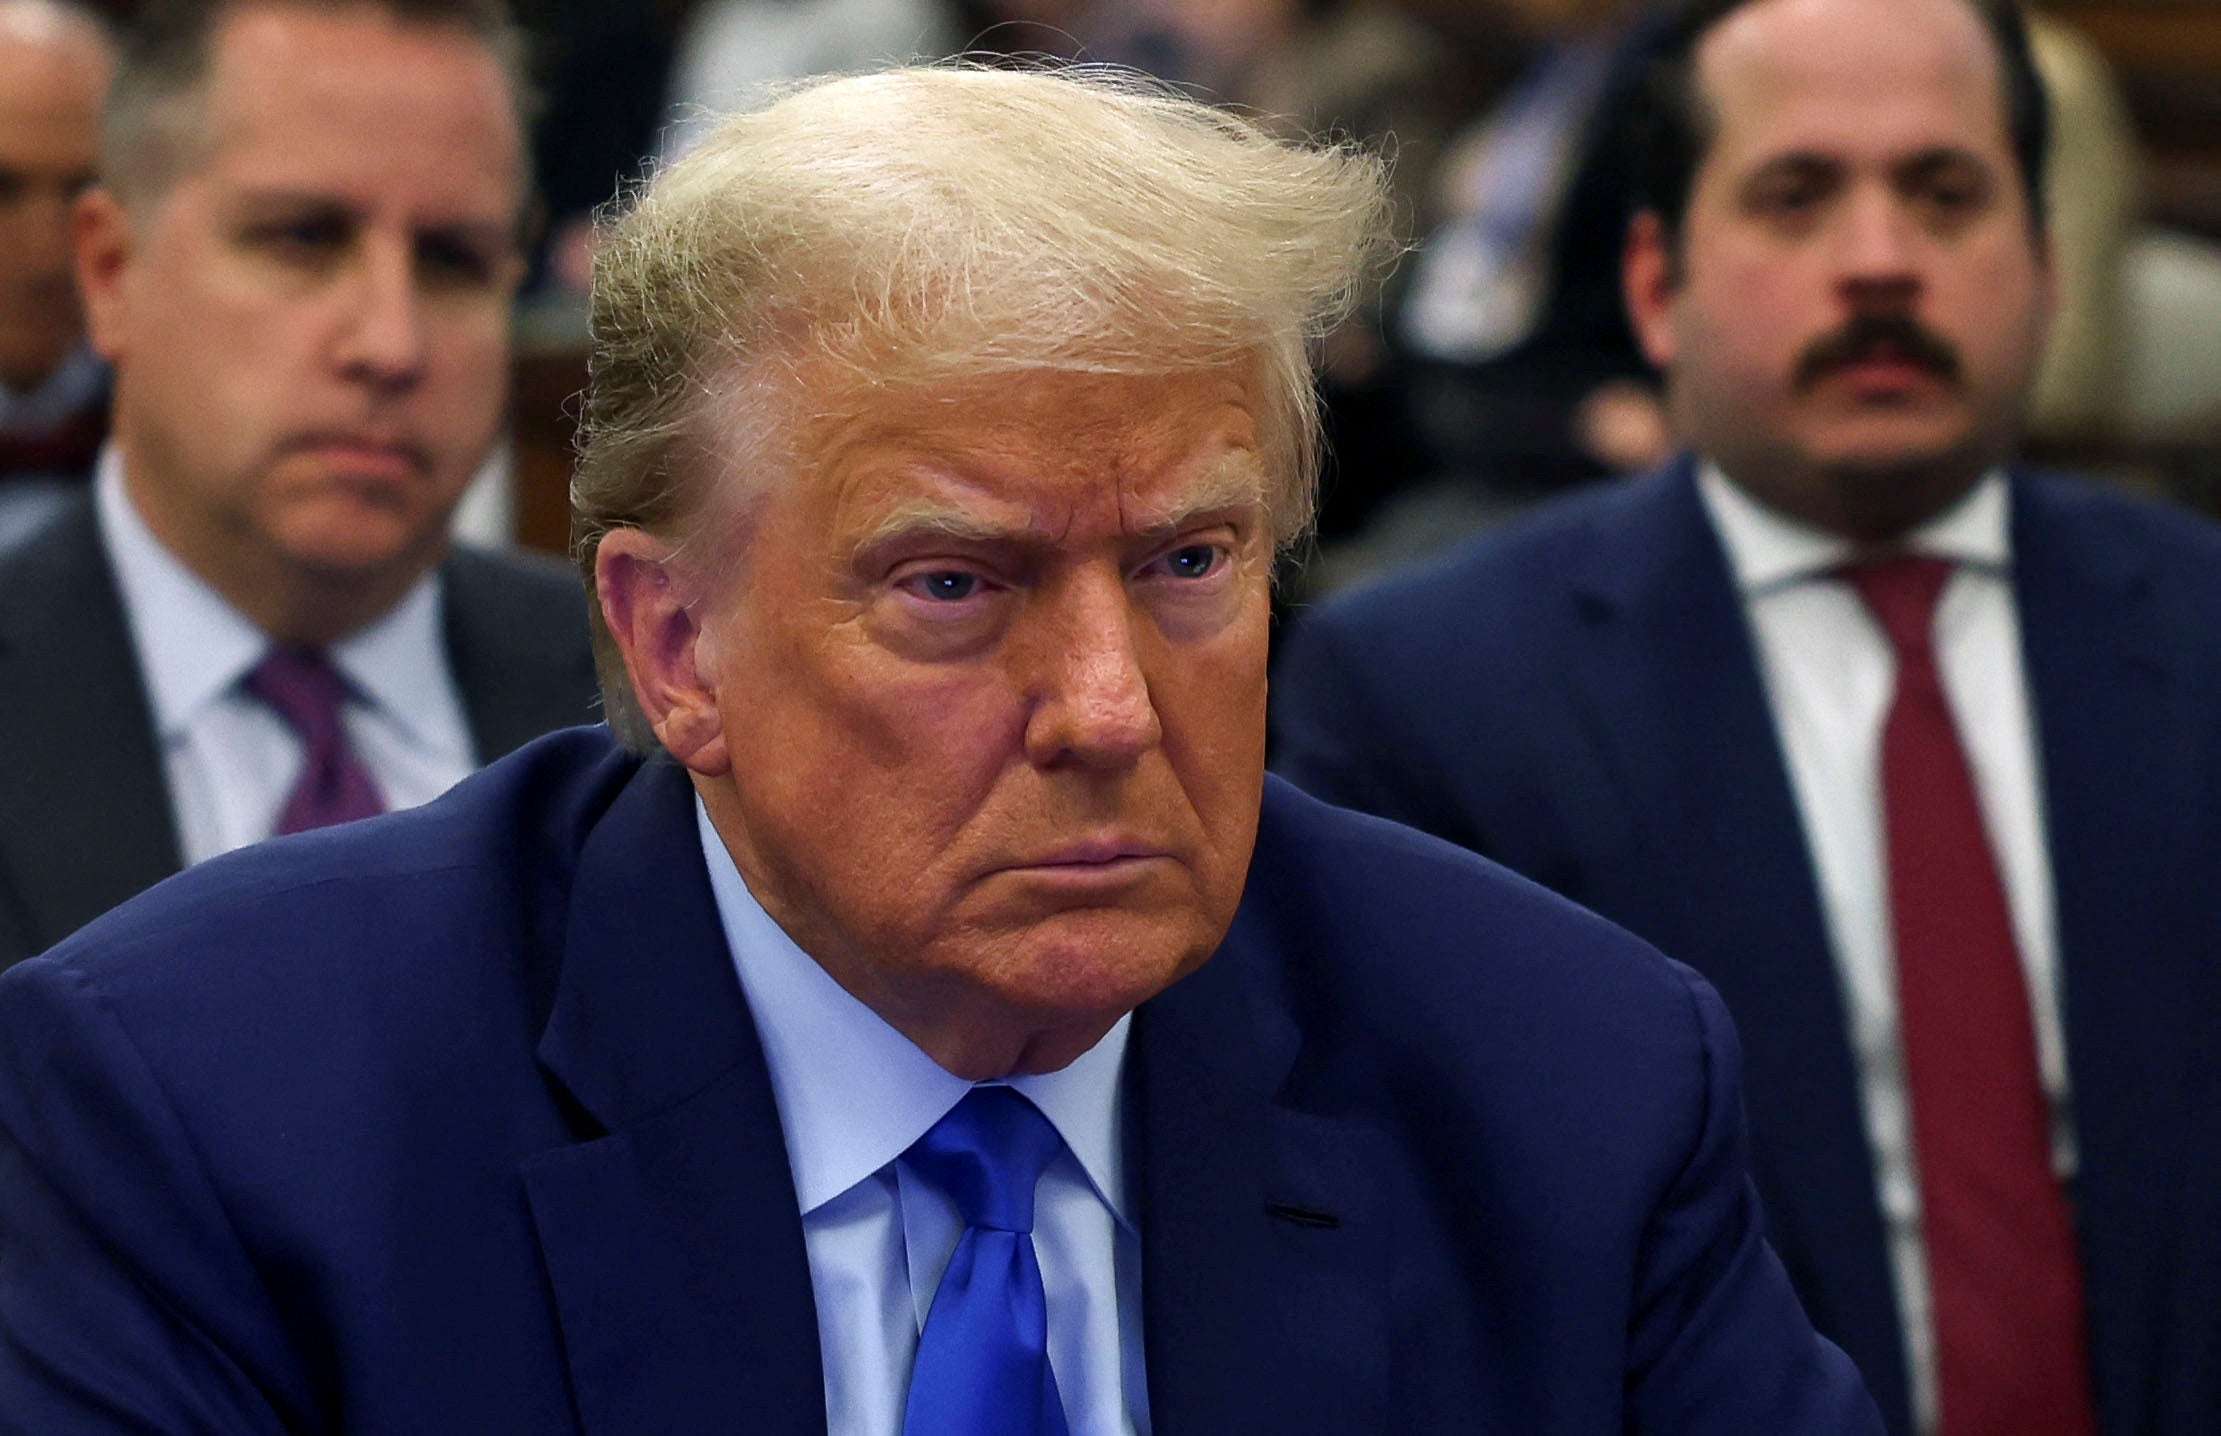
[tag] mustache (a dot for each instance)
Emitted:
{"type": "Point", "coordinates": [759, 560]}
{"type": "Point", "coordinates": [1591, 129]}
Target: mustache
{"type": "Point", "coordinates": [1898, 335]}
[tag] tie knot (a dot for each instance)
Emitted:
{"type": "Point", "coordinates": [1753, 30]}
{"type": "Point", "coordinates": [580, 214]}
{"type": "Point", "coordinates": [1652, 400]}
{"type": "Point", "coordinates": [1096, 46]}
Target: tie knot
{"type": "Point", "coordinates": [303, 687]}
{"type": "Point", "coordinates": [1901, 593]}
{"type": "Point", "coordinates": [988, 1154]}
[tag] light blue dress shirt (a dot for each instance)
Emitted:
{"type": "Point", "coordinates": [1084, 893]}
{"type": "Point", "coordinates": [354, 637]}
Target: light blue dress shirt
{"type": "Point", "coordinates": [853, 1094]}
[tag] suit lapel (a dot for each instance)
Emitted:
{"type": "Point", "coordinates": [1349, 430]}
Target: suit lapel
{"type": "Point", "coordinates": [86, 777]}
{"type": "Point", "coordinates": [672, 1242]}
{"type": "Point", "coordinates": [1264, 1267]}
{"type": "Point", "coordinates": [1667, 676]}
{"type": "Point", "coordinates": [2123, 761]}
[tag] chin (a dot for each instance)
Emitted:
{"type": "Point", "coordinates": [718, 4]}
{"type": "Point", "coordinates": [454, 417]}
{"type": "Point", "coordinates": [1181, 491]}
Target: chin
{"type": "Point", "coordinates": [363, 540]}
{"type": "Point", "coordinates": [1100, 965]}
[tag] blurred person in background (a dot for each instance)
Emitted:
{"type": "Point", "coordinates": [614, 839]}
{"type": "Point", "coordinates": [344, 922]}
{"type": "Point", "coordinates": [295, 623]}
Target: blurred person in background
{"type": "Point", "coordinates": [1364, 68]}
{"type": "Point", "coordinates": [54, 64]}
{"type": "Point", "coordinates": [299, 264]}
{"type": "Point", "coordinates": [1911, 750]}
{"type": "Point", "coordinates": [1512, 322]}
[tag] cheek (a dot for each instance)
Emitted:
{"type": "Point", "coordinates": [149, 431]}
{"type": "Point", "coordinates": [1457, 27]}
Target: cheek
{"type": "Point", "coordinates": [1763, 312]}
{"type": "Point", "coordinates": [1997, 315]}
{"type": "Point", "coordinates": [469, 364]}
{"type": "Point", "coordinates": [840, 735]}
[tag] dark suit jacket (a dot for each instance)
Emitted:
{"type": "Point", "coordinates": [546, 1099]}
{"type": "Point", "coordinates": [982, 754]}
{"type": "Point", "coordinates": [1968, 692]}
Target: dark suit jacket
{"type": "Point", "coordinates": [1578, 696]}
{"type": "Point", "coordinates": [85, 817]}
{"type": "Point", "coordinates": [457, 1121]}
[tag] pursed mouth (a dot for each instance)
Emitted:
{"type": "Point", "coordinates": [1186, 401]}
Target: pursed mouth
{"type": "Point", "coordinates": [1085, 862]}
{"type": "Point", "coordinates": [374, 452]}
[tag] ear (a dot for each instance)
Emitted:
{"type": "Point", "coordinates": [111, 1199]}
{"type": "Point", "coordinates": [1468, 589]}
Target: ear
{"type": "Point", "coordinates": [1650, 279]}
{"type": "Point", "coordinates": [101, 234]}
{"type": "Point", "coordinates": [645, 603]}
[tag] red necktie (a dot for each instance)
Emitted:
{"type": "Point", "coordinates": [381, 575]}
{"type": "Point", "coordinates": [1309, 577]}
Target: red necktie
{"type": "Point", "coordinates": [2003, 1275]}
{"type": "Point", "coordinates": [308, 693]}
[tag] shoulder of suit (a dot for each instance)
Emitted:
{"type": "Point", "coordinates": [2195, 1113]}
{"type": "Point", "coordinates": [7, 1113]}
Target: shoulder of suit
{"type": "Point", "coordinates": [392, 889]}
{"type": "Point", "coordinates": [67, 541]}
{"type": "Point", "coordinates": [516, 577]}
{"type": "Point", "coordinates": [1354, 887]}
{"type": "Point", "coordinates": [1486, 595]}
{"type": "Point", "coordinates": [2095, 506]}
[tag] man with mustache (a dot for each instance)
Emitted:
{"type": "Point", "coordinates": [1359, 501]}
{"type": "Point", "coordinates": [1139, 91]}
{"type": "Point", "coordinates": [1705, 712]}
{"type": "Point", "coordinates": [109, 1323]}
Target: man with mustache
{"type": "Point", "coordinates": [1913, 752]}
{"type": "Point", "coordinates": [299, 264]}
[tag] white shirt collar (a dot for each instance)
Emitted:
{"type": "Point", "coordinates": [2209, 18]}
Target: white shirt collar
{"type": "Point", "coordinates": [1767, 550]}
{"type": "Point", "coordinates": [194, 646]}
{"type": "Point", "coordinates": [854, 1093]}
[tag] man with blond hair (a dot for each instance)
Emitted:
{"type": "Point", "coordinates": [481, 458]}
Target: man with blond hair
{"type": "Point", "coordinates": [299, 263]}
{"type": "Point", "coordinates": [922, 1014]}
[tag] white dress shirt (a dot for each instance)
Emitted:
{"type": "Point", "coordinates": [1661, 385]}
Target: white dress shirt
{"type": "Point", "coordinates": [1829, 673]}
{"type": "Point", "coordinates": [853, 1095]}
{"type": "Point", "coordinates": [230, 760]}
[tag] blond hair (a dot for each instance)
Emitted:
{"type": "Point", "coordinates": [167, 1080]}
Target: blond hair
{"type": "Point", "coordinates": [944, 222]}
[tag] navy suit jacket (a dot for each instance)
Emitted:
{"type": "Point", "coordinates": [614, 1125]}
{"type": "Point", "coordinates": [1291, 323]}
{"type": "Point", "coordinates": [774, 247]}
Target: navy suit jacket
{"type": "Point", "coordinates": [1578, 696]}
{"type": "Point", "coordinates": [456, 1121]}
{"type": "Point", "coordinates": [85, 817]}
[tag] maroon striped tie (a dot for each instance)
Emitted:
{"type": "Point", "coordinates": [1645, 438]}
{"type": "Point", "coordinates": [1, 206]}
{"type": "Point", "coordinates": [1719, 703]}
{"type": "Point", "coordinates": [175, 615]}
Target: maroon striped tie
{"type": "Point", "coordinates": [2005, 1281]}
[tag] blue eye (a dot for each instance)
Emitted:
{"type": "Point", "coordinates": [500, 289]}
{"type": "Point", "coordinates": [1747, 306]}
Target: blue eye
{"type": "Point", "coordinates": [947, 585]}
{"type": "Point", "coordinates": [1194, 561]}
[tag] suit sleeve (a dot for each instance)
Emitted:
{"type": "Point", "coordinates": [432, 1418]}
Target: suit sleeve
{"type": "Point", "coordinates": [1718, 1344]}
{"type": "Point", "coordinates": [127, 1302]}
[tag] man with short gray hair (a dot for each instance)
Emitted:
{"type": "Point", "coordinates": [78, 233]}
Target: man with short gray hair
{"type": "Point", "coordinates": [299, 263]}
{"type": "Point", "coordinates": [945, 1027]}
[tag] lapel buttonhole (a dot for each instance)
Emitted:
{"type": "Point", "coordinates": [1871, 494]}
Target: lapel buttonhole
{"type": "Point", "coordinates": [1303, 1216]}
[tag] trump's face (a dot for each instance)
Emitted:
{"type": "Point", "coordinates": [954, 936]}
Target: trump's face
{"type": "Point", "coordinates": [977, 704]}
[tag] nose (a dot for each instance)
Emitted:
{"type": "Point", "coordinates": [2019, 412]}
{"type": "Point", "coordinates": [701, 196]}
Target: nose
{"type": "Point", "coordinates": [1091, 705]}
{"type": "Point", "coordinates": [1878, 262]}
{"type": "Point", "coordinates": [380, 341]}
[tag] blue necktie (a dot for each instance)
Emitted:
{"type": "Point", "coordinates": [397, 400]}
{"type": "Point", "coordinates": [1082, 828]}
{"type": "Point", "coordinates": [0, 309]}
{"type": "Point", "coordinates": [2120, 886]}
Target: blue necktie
{"type": "Point", "coordinates": [983, 1359]}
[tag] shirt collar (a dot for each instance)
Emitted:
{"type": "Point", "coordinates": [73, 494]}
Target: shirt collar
{"type": "Point", "coordinates": [194, 646]}
{"type": "Point", "coordinates": [397, 663]}
{"type": "Point", "coordinates": [1769, 551]}
{"type": "Point", "coordinates": [854, 1093]}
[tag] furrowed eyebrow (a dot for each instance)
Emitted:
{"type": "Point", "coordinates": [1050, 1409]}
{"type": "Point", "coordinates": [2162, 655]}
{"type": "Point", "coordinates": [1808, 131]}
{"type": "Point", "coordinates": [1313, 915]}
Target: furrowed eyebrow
{"type": "Point", "coordinates": [923, 518]}
{"type": "Point", "coordinates": [1232, 485]}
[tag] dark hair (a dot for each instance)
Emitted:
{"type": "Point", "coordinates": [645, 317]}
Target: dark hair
{"type": "Point", "coordinates": [162, 61]}
{"type": "Point", "coordinates": [1671, 127]}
